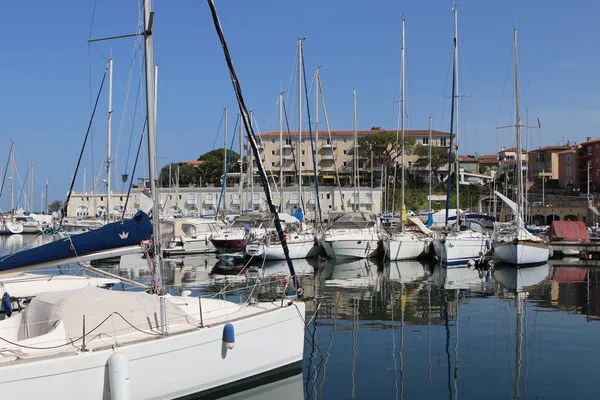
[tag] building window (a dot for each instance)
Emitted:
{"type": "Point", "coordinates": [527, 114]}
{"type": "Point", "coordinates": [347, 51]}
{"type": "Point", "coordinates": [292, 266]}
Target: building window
{"type": "Point", "coordinates": [272, 164]}
{"type": "Point", "coordinates": [410, 164]}
{"type": "Point", "coordinates": [328, 196]}
{"type": "Point", "coordinates": [273, 141]}
{"type": "Point", "coordinates": [303, 152]}
{"type": "Point", "coordinates": [425, 141]}
{"type": "Point", "coordinates": [272, 152]}
{"type": "Point", "coordinates": [345, 151]}
{"type": "Point", "coordinates": [345, 140]}
{"type": "Point", "coordinates": [303, 163]}
{"type": "Point", "coordinates": [101, 198]}
{"type": "Point", "coordinates": [568, 171]}
{"type": "Point", "coordinates": [344, 163]}
{"type": "Point", "coordinates": [568, 158]}
{"type": "Point", "coordinates": [443, 142]}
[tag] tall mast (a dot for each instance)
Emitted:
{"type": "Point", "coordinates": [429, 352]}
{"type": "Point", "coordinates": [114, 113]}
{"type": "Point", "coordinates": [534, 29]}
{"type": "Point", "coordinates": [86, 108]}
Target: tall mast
{"type": "Point", "coordinates": [31, 189]}
{"type": "Point", "coordinates": [12, 177]}
{"type": "Point", "coordinates": [316, 123]}
{"type": "Point", "coordinates": [430, 166]}
{"type": "Point", "coordinates": [402, 124]}
{"type": "Point", "coordinates": [46, 198]}
{"type": "Point", "coordinates": [251, 166]}
{"type": "Point", "coordinates": [108, 139]}
{"type": "Point", "coordinates": [241, 142]}
{"type": "Point", "coordinates": [225, 163]}
{"type": "Point", "coordinates": [151, 123]}
{"type": "Point", "coordinates": [299, 147]}
{"type": "Point", "coordinates": [526, 194]}
{"type": "Point", "coordinates": [518, 133]}
{"type": "Point", "coordinates": [280, 149]}
{"type": "Point", "coordinates": [355, 152]}
{"type": "Point", "coordinates": [455, 99]}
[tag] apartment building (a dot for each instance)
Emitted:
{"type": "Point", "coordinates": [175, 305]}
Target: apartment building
{"type": "Point", "coordinates": [334, 152]}
{"type": "Point", "coordinates": [544, 162]}
{"type": "Point", "coordinates": [568, 165]}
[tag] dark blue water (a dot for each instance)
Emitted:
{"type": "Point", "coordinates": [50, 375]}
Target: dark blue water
{"type": "Point", "coordinates": [408, 330]}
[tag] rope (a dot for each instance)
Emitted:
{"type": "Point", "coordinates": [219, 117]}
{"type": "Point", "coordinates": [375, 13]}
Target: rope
{"type": "Point", "coordinates": [251, 137]}
{"type": "Point", "coordinates": [64, 209]}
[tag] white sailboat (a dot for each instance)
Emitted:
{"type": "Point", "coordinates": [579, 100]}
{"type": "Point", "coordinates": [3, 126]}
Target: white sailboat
{"type": "Point", "coordinates": [515, 244]}
{"type": "Point", "coordinates": [99, 344]}
{"type": "Point", "coordinates": [463, 243]}
{"type": "Point", "coordinates": [189, 235]}
{"type": "Point", "coordinates": [412, 243]}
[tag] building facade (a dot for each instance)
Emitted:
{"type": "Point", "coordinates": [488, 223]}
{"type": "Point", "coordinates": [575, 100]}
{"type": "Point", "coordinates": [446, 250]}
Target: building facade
{"type": "Point", "coordinates": [203, 202]}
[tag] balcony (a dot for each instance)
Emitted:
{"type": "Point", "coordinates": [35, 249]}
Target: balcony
{"type": "Point", "coordinates": [327, 168]}
{"type": "Point", "coordinates": [327, 144]}
{"type": "Point", "coordinates": [209, 199]}
{"type": "Point", "coordinates": [288, 156]}
{"type": "Point", "coordinates": [192, 200]}
{"type": "Point", "coordinates": [294, 200]}
{"type": "Point", "coordinates": [287, 145]}
{"type": "Point", "coordinates": [327, 157]}
{"type": "Point", "coordinates": [362, 200]}
{"type": "Point", "coordinates": [236, 199]}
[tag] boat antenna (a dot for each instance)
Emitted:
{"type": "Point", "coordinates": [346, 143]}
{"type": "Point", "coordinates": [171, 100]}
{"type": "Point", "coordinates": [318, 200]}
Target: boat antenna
{"type": "Point", "coordinates": [252, 139]}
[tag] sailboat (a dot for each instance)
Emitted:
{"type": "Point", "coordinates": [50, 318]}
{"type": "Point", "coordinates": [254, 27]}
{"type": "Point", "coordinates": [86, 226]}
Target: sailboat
{"type": "Point", "coordinates": [406, 244]}
{"type": "Point", "coordinates": [99, 344]}
{"type": "Point", "coordinates": [465, 242]}
{"type": "Point", "coordinates": [8, 224]}
{"type": "Point", "coordinates": [518, 246]}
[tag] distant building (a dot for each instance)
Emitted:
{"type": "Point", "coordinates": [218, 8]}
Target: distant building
{"type": "Point", "coordinates": [543, 162]}
{"type": "Point", "coordinates": [568, 165]}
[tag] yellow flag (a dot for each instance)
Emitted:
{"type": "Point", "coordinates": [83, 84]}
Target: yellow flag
{"type": "Point", "coordinates": [404, 216]}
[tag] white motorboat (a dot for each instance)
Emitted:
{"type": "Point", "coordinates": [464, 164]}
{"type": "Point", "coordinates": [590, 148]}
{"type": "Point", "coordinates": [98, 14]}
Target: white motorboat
{"type": "Point", "coordinates": [461, 247]}
{"type": "Point", "coordinates": [353, 235]}
{"type": "Point", "coordinates": [30, 224]}
{"type": "Point", "coordinates": [234, 238]}
{"type": "Point", "coordinates": [301, 241]}
{"type": "Point", "coordinates": [189, 235]}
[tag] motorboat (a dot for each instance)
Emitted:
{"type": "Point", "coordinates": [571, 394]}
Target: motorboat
{"type": "Point", "coordinates": [408, 244]}
{"type": "Point", "coordinates": [233, 239]}
{"type": "Point", "coordinates": [188, 235]}
{"type": "Point", "coordinates": [352, 235]}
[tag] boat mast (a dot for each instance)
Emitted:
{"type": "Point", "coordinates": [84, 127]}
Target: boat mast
{"type": "Point", "coordinates": [402, 124]}
{"type": "Point", "coordinates": [108, 139]}
{"type": "Point", "coordinates": [224, 163]}
{"type": "Point", "coordinates": [299, 147]}
{"type": "Point", "coordinates": [241, 141]}
{"type": "Point", "coordinates": [280, 149]}
{"type": "Point", "coordinates": [356, 185]}
{"type": "Point", "coordinates": [430, 166]}
{"type": "Point", "coordinates": [251, 166]}
{"type": "Point", "coordinates": [455, 99]}
{"type": "Point", "coordinates": [518, 218]}
{"type": "Point", "coordinates": [151, 123]}
{"type": "Point", "coordinates": [12, 177]}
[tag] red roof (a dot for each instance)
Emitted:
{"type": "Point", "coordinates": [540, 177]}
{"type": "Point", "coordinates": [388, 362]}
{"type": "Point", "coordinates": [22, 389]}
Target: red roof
{"type": "Point", "coordinates": [467, 159]}
{"type": "Point", "coordinates": [591, 141]}
{"type": "Point", "coordinates": [409, 132]}
{"type": "Point", "coordinates": [489, 157]}
{"type": "Point", "coordinates": [569, 274]}
{"type": "Point", "coordinates": [195, 163]}
{"type": "Point", "coordinates": [550, 148]}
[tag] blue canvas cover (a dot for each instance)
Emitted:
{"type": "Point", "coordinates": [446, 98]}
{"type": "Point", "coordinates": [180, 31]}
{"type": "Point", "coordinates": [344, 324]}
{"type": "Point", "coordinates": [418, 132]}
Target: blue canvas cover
{"type": "Point", "coordinates": [128, 232]}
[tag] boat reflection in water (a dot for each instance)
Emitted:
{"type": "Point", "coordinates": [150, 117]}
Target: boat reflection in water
{"type": "Point", "coordinates": [355, 273]}
{"type": "Point", "coordinates": [290, 388]}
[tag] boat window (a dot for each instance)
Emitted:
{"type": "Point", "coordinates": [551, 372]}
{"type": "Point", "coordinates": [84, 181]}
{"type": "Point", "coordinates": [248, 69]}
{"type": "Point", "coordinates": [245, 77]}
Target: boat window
{"type": "Point", "coordinates": [167, 228]}
{"type": "Point", "coordinates": [352, 221]}
{"type": "Point", "coordinates": [188, 229]}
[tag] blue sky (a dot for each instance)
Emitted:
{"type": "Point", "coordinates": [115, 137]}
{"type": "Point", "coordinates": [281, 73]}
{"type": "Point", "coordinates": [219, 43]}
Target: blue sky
{"type": "Point", "coordinates": [47, 64]}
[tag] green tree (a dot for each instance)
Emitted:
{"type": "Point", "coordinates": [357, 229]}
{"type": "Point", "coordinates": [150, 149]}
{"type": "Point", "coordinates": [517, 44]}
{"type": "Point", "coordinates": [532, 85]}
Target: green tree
{"type": "Point", "coordinates": [188, 175]}
{"type": "Point", "coordinates": [383, 144]}
{"type": "Point", "coordinates": [55, 206]}
{"type": "Point", "coordinates": [211, 169]}
{"type": "Point", "coordinates": [439, 157]}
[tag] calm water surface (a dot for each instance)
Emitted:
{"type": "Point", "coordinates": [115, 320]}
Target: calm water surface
{"type": "Point", "coordinates": [409, 330]}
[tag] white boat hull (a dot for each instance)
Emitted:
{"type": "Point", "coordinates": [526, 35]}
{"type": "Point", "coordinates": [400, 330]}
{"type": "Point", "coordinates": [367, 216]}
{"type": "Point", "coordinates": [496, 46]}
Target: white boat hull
{"type": "Point", "coordinates": [522, 252]}
{"type": "Point", "coordinates": [184, 245]}
{"type": "Point", "coordinates": [10, 228]}
{"type": "Point", "coordinates": [405, 246]}
{"type": "Point", "coordinates": [297, 250]}
{"type": "Point", "coordinates": [167, 367]}
{"type": "Point", "coordinates": [342, 248]}
{"type": "Point", "coordinates": [460, 248]}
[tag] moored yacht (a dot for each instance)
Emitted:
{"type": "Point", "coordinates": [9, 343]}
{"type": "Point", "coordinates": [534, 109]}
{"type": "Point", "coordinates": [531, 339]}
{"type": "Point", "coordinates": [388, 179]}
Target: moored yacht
{"type": "Point", "coordinates": [189, 235]}
{"type": "Point", "coordinates": [234, 238]}
{"type": "Point", "coordinates": [352, 235]}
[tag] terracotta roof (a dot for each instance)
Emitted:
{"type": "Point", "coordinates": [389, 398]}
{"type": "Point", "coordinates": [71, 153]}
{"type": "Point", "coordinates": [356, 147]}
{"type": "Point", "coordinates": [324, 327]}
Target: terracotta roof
{"type": "Point", "coordinates": [489, 157]}
{"type": "Point", "coordinates": [467, 159]}
{"type": "Point", "coordinates": [549, 148]}
{"type": "Point", "coordinates": [591, 141]}
{"type": "Point", "coordinates": [408, 132]}
{"type": "Point", "coordinates": [568, 151]}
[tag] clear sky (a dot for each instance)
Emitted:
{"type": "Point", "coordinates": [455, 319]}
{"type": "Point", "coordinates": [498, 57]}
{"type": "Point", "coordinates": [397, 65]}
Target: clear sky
{"type": "Point", "coordinates": [49, 72]}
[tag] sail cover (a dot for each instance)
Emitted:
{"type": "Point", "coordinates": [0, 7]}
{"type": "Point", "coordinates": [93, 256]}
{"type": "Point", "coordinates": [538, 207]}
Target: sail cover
{"type": "Point", "coordinates": [111, 236]}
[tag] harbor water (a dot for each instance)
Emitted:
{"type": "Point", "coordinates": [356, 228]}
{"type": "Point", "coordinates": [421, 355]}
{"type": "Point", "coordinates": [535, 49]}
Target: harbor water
{"type": "Point", "coordinates": [413, 330]}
